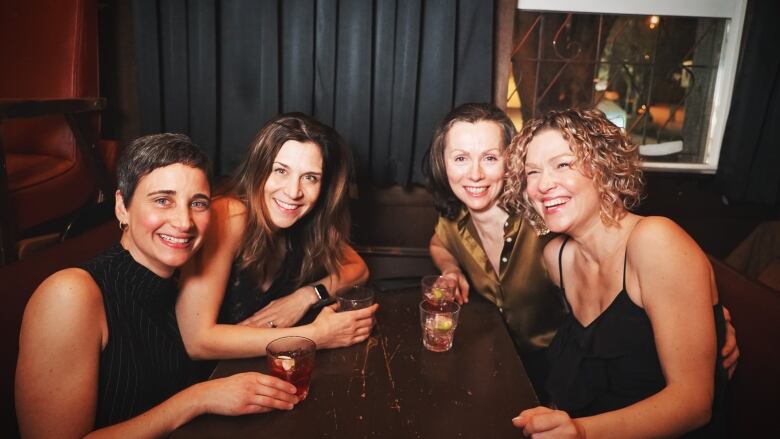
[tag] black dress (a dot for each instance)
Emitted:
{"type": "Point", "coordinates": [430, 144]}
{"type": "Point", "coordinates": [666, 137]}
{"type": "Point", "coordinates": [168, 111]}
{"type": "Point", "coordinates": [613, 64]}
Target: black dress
{"type": "Point", "coordinates": [144, 361]}
{"type": "Point", "coordinates": [613, 363]}
{"type": "Point", "coordinates": [243, 295]}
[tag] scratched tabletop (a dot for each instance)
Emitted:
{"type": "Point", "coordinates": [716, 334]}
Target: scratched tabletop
{"type": "Point", "coordinates": [390, 386]}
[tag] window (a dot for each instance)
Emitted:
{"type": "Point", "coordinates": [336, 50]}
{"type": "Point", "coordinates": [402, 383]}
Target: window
{"type": "Point", "coordinates": [661, 70]}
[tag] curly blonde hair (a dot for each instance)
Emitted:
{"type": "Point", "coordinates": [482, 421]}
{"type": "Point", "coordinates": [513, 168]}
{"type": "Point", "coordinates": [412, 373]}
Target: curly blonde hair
{"type": "Point", "coordinates": [602, 151]}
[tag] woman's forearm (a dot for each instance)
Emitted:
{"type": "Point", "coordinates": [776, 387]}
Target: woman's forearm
{"type": "Point", "coordinates": [223, 341]}
{"type": "Point", "coordinates": [160, 420]}
{"type": "Point", "coordinates": [353, 271]}
{"type": "Point", "coordinates": [668, 413]}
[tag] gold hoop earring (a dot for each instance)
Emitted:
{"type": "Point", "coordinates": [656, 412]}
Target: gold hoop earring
{"type": "Point", "coordinates": [122, 226]}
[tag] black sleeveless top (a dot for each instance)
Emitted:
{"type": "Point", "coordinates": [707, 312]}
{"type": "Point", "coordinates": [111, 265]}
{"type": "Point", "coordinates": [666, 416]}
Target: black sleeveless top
{"type": "Point", "coordinates": [243, 295]}
{"type": "Point", "coordinates": [144, 361]}
{"type": "Point", "coordinates": [613, 363]}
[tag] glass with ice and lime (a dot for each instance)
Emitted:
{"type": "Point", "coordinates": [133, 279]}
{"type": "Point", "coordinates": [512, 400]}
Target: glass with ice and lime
{"type": "Point", "coordinates": [438, 288]}
{"type": "Point", "coordinates": [438, 321]}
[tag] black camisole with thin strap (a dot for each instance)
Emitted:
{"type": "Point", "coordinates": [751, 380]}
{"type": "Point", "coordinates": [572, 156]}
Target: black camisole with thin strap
{"type": "Point", "coordinates": [612, 362]}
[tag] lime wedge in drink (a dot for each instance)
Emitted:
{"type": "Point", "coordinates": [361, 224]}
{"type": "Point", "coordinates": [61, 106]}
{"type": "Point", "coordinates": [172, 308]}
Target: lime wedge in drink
{"type": "Point", "coordinates": [438, 293]}
{"type": "Point", "coordinates": [443, 323]}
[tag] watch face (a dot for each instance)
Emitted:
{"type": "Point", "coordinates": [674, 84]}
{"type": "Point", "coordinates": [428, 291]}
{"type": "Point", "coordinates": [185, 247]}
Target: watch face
{"type": "Point", "coordinates": [321, 292]}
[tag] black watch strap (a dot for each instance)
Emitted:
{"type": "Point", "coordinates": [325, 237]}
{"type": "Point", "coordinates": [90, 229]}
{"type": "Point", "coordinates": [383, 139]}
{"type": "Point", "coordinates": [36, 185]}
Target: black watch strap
{"type": "Point", "coordinates": [321, 291]}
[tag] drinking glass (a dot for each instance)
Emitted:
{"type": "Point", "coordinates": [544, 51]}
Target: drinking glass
{"type": "Point", "coordinates": [292, 359]}
{"type": "Point", "coordinates": [356, 297]}
{"type": "Point", "coordinates": [438, 321]}
{"type": "Point", "coordinates": [438, 288]}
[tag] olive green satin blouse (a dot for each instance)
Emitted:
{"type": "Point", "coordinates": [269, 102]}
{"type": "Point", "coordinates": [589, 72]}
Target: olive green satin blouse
{"type": "Point", "coordinates": [529, 302]}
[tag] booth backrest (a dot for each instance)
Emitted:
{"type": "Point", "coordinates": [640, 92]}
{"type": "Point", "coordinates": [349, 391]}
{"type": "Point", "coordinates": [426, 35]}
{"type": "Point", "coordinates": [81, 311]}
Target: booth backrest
{"type": "Point", "coordinates": [54, 48]}
{"type": "Point", "coordinates": [754, 391]}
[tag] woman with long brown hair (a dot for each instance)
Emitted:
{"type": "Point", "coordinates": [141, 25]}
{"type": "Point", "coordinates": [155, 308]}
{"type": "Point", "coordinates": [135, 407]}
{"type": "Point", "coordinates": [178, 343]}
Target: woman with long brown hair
{"type": "Point", "coordinates": [276, 247]}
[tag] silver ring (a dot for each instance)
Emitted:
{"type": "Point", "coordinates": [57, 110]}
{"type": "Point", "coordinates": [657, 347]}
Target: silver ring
{"type": "Point", "coordinates": [271, 324]}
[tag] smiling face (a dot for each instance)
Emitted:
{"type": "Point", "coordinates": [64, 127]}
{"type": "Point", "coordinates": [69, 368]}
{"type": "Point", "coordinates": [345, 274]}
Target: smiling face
{"type": "Point", "coordinates": [474, 161]}
{"type": "Point", "coordinates": [563, 196]}
{"type": "Point", "coordinates": [292, 188]}
{"type": "Point", "coordinates": [166, 218]}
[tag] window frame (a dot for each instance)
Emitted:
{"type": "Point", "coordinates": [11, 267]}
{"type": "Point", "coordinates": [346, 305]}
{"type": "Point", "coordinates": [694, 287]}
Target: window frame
{"type": "Point", "coordinates": [733, 10]}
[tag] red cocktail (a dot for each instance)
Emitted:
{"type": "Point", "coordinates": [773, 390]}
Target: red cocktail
{"type": "Point", "coordinates": [292, 359]}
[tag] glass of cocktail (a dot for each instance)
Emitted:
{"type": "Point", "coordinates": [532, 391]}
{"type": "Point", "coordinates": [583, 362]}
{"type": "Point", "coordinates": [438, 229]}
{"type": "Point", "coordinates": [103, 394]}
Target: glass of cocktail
{"type": "Point", "coordinates": [356, 297]}
{"type": "Point", "coordinates": [438, 288]}
{"type": "Point", "coordinates": [438, 321]}
{"type": "Point", "coordinates": [292, 359]}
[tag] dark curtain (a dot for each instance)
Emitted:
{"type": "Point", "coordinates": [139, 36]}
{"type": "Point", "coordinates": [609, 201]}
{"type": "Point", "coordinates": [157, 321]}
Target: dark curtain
{"type": "Point", "coordinates": [750, 156]}
{"type": "Point", "coordinates": [383, 72]}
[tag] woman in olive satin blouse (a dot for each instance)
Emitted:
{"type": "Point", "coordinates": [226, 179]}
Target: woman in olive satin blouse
{"type": "Point", "coordinates": [476, 242]}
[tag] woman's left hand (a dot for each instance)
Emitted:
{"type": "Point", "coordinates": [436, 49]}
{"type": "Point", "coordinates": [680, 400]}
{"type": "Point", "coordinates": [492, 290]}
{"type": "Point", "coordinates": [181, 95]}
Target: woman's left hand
{"type": "Point", "coordinates": [730, 350]}
{"type": "Point", "coordinates": [284, 312]}
{"type": "Point", "coordinates": [553, 423]}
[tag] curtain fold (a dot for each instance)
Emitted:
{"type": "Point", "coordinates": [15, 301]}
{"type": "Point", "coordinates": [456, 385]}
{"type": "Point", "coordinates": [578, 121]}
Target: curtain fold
{"type": "Point", "coordinates": [383, 72]}
{"type": "Point", "coordinates": [750, 153]}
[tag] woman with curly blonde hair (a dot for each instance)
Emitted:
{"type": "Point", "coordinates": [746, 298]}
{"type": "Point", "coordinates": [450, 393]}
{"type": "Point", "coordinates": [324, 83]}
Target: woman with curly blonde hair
{"type": "Point", "coordinates": [612, 161]}
{"type": "Point", "coordinates": [636, 355]}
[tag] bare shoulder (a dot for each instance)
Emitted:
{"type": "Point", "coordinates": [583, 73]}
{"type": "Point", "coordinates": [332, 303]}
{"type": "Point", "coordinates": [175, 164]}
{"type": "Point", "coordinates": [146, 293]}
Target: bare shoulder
{"type": "Point", "coordinates": [228, 217]}
{"type": "Point", "coordinates": [228, 208]}
{"type": "Point", "coordinates": [551, 251]}
{"type": "Point", "coordinates": [72, 287]}
{"type": "Point", "coordinates": [72, 299]}
{"type": "Point", "coordinates": [229, 205]}
{"type": "Point", "coordinates": [657, 233]}
{"type": "Point", "coordinates": [659, 246]}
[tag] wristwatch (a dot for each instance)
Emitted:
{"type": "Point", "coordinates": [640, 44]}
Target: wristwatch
{"type": "Point", "coordinates": [321, 292]}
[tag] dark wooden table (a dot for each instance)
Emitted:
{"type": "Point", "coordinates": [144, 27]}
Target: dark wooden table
{"type": "Point", "coordinates": [390, 386]}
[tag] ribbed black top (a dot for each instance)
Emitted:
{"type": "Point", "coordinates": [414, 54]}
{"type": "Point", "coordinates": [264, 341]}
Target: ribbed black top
{"type": "Point", "coordinates": [144, 362]}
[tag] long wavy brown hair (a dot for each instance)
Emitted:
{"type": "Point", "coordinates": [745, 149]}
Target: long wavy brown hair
{"type": "Point", "coordinates": [323, 231]}
{"type": "Point", "coordinates": [602, 152]}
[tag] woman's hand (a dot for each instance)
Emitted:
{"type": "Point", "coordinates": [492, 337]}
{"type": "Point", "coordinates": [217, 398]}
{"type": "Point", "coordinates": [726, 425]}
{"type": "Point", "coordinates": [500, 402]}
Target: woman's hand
{"type": "Point", "coordinates": [461, 287]}
{"type": "Point", "coordinates": [338, 329]}
{"type": "Point", "coordinates": [730, 350]}
{"type": "Point", "coordinates": [284, 312]}
{"type": "Point", "coordinates": [552, 423]}
{"type": "Point", "coordinates": [245, 393]}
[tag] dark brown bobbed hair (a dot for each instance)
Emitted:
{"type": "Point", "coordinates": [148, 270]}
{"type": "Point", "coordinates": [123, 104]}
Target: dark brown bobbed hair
{"type": "Point", "coordinates": [147, 153]}
{"type": "Point", "coordinates": [324, 229]}
{"type": "Point", "coordinates": [602, 152]}
{"type": "Point", "coordinates": [434, 168]}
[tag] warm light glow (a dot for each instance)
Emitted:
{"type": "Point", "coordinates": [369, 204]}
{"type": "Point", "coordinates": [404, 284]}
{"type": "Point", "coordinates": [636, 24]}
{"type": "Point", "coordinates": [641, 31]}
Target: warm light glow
{"type": "Point", "coordinates": [652, 21]}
